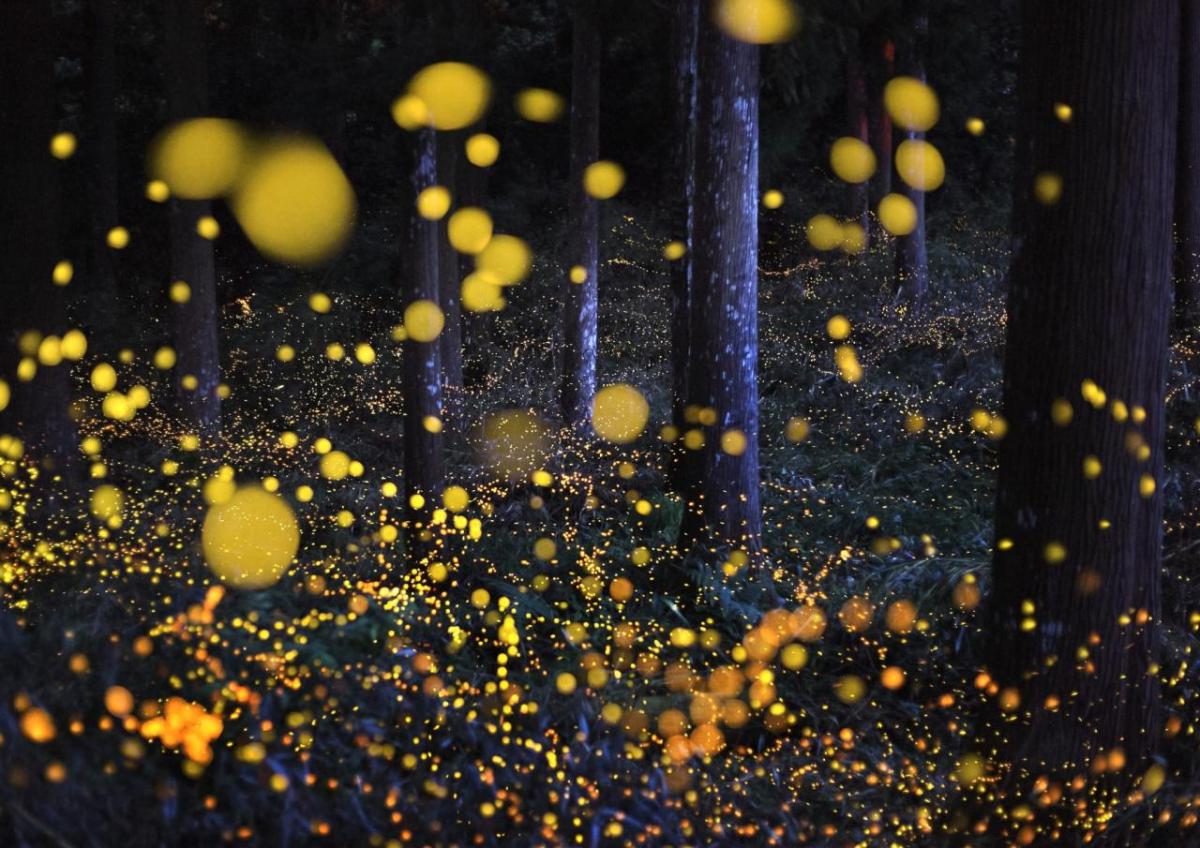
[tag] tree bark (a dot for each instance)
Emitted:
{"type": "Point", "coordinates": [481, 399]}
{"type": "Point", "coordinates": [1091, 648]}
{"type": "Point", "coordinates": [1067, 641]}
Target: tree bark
{"type": "Point", "coordinates": [724, 331]}
{"type": "Point", "coordinates": [912, 259]}
{"type": "Point", "coordinates": [102, 162]}
{"type": "Point", "coordinates": [196, 325]}
{"type": "Point", "coordinates": [448, 147]}
{"type": "Point", "coordinates": [1089, 300]}
{"type": "Point", "coordinates": [684, 31]}
{"type": "Point", "coordinates": [858, 197]}
{"type": "Point", "coordinates": [29, 237]}
{"type": "Point", "coordinates": [424, 463]}
{"type": "Point", "coordinates": [580, 300]}
{"type": "Point", "coordinates": [1187, 174]}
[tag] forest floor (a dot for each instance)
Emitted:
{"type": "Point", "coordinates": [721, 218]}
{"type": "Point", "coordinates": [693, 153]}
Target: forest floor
{"type": "Point", "coordinates": [544, 682]}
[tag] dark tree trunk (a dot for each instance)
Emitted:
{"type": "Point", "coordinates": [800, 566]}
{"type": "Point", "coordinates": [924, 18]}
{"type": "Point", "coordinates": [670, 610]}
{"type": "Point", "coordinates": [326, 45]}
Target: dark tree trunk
{"type": "Point", "coordinates": [29, 208]}
{"type": "Point", "coordinates": [1187, 175]}
{"type": "Point", "coordinates": [580, 300]}
{"type": "Point", "coordinates": [684, 30]}
{"type": "Point", "coordinates": [724, 332]}
{"type": "Point", "coordinates": [858, 197]}
{"type": "Point", "coordinates": [1089, 300]}
{"type": "Point", "coordinates": [912, 260]}
{"type": "Point", "coordinates": [424, 464]}
{"type": "Point", "coordinates": [883, 65]}
{"type": "Point", "coordinates": [101, 70]}
{"type": "Point", "coordinates": [448, 147]}
{"type": "Point", "coordinates": [196, 324]}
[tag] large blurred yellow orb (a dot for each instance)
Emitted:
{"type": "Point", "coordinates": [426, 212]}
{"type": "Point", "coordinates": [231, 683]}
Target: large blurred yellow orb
{"type": "Point", "coordinates": [619, 413]}
{"type": "Point", "coordinates": [852, 160]}
{"type": "Point", "coordinates": [456, 94]}
{"type": "Point", "coordinates": [250, 540]}
{"type": "Point", "coordinates": [540, 105]}
{"type": "Point", "coordinates": [824, 232]}
{"type": "Point", "coordinates": [295, 203]}
{"type": "Point", "coordinates": [514, 442]}
{"type": "Point", "coordinates": [506, 258]}
{"type": "Point", "coordinates": [911, 103]}
{"type": "Point", "coordinates": [483, 150]}
{"type": "Point", "coordinates": [469, 230]}
{"type": "Point", "coordinates": [199, 158]}
{"type": "Point", "coordinates": [481, 293]}
{"type": "Point", "coordinates": [423, 319]}
{"type": "Point", "coordinates": [920, 164]}
{"type": "Point", "coordinates": [897, 214]}
{"type": "Point", "coordinates": [603, 179]}
{"type": "Point", "coordinates": [758, 21]}
{"type": "Point", "coordinates": [433, 203]}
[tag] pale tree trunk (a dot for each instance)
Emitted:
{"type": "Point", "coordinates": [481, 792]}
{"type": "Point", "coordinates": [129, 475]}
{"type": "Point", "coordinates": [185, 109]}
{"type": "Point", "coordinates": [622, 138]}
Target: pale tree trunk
{"type": "Point", "coordinates": [424, 463]}
{"type": "Point", "coordinates": [196, 324]}
{"type": "Point", "coordinates": [581, 300]}
{"type": "Point", "coordinates": [724, 332]}
{"type": "Point", "coordinates": [1089, 299]}
{"type": "Point", "coordinates": [29, 237]}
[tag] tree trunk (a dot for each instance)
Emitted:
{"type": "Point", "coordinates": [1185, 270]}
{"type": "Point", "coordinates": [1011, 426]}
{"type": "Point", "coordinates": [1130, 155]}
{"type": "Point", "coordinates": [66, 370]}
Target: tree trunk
{"type": "Point", "coordinates": [102, 163]}
{"type": "Point", "coordinates": [883, 61]}
{"type": "Point", "coordinates": [912, 260]}
{"type": "Point", "coordinates": [858, 197]}
{"type": "Point", "coordinates": [580, 300]}
{"type": "Point", "coordinates": [724, 332]}
{"type": "Point", "coordinates": [684, 29]}
{"type": "Point", "coordinates": [196, 325]}
{"type": "Point", "coordinates": [29, 208]}
{"type": "Point", "coordinates": [424, 464]}
{"type": "Point", "coordinates": [448, 147]}
{"type": "Point", "coordinates": [1089, 300]}
{"type": "Point", "coordinates": [1187, 174]}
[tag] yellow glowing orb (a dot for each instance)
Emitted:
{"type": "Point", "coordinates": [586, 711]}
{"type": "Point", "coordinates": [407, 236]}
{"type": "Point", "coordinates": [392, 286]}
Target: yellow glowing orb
{"type": "Point", "coordinates": [423, 319]}
{"type": "Point", "coordinates": [294, 203]}
{"type": "Point", "coordinates": [758, 21]}
{"type": "Point", "coordinates": [481, 293]}
{"type": "Point", "coordinates": [619, 413]}
{"type": "Point", "coordinates": [773, 198]}
{"type": "Point", "coordinates": [506, 259]}
{"type": "Point", "coordinates": [897, 214]}
{"type": "Point", "coordinates": [199, 158]}
{"type": "Point", "coordinates": [456, 94]}
{"type": "Point", "coordinates": [824, 232]}
{"type": "Point", "coordinates": [250, 539]}
{"type": "Point", "coordinates": [513, 442]}
{"type": "Point", "coordinates": [920, 164]}
{"type": "Point", "coordinates": [433, 203]}
{"type": "Point", "coordinates": [603, 179]}
{"type": "Point", "coordinates": [540, 105]}
{"type": "Point", "coordinates": [469, 230]}
{"type": "Point", "coordinates": [483, 150]}
{"type": "Point", "coordinates": [911, 103]}
{"type": "Point", "coordinates": [852, 160]}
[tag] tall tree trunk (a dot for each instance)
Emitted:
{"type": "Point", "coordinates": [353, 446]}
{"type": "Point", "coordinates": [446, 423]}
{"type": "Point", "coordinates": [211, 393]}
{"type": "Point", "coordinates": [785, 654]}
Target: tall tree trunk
{"type": "Point", "coordinates": [29, 208]}
{"type": "Point", "coordinates": [102, 163]}
{"type": "Point", "coordinates": [883, 68]}
{"type": "Point", "coordinates": [424, 464]}
{"type": "Point", "coordinates": [1187, 174]}
{"type": "Point", "coordinates": [196, 326]}
{"type": "Point", "coordinates": [684, 31]}
{"type": "Point", "coordinates": [912, 259]}
{"type": "Point", "coordinates": [858, 197]}
{"type": "Point", "coordinates": [1089, 301]}
{"type": "Point", "coordinates": [724, 332]}
{"type": "Point", "coordinates": [448, 147]}
{"type": "Point", "coordinates": [580, 300]}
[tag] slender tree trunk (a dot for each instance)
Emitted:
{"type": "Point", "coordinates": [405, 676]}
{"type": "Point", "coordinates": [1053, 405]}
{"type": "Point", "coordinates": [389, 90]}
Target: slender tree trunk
{"type": "Point", "coordinates": [29, 208]}
{"type": "Point", "coordinates": [858, 197]}
{"type": "Point", "coordinates": [102, 163]}
{"type": "Point", "coordinates": [912, 259]}
{"type": "Point", "coordinates": [424, 463]}
{"type": "Point", "coordinates": [1089, 301]}
{"type": "Point", "coordinates": [580, 300]}
{"type": "Point", "coordinates": [883, 61]}
{"type": "Point", "coordinates": [196, 323]}
{"type": "Point", "coordinates": [684, 30]}
{"type": "Point", "coordinates": [1187, 174]}
{"type": "Point", "coordinates": [724, 333]}
{"type": "Point", "coordinates": [449, 145]}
